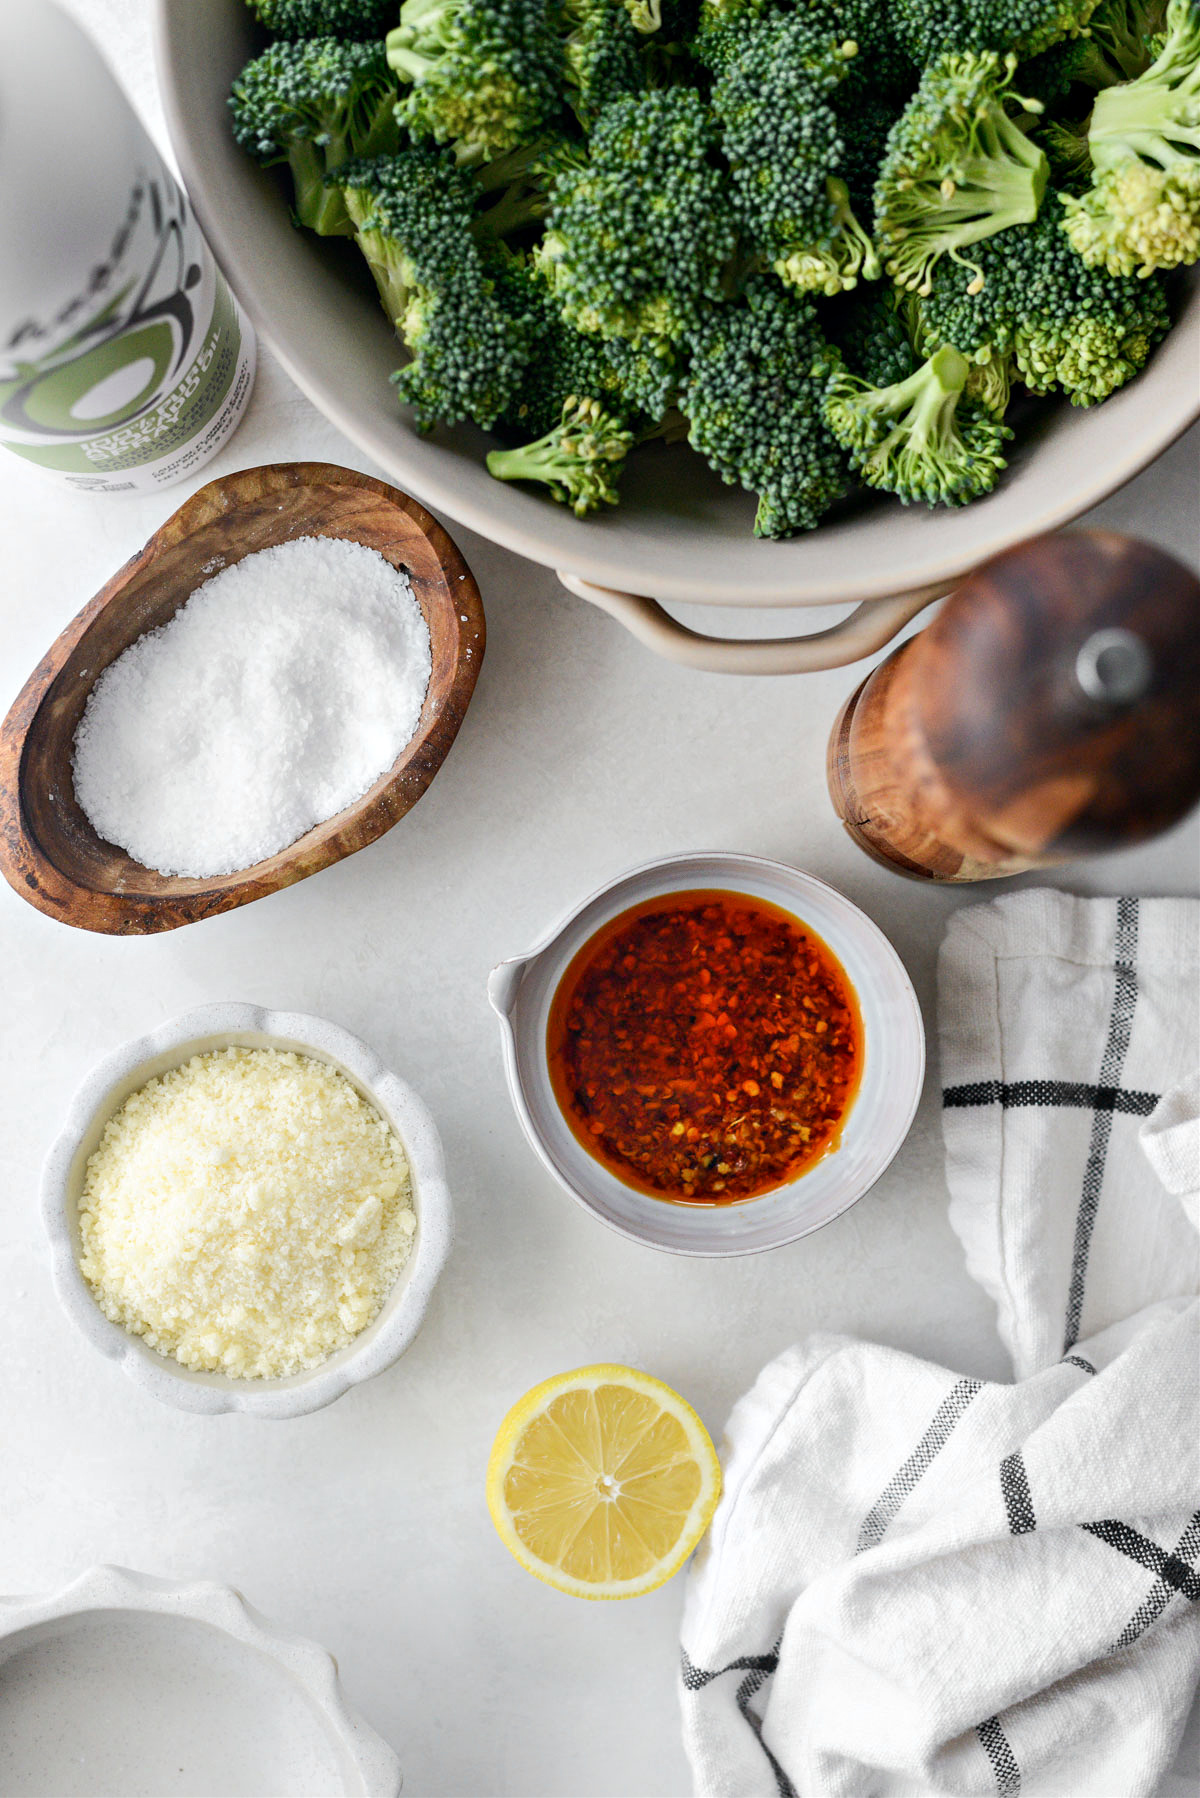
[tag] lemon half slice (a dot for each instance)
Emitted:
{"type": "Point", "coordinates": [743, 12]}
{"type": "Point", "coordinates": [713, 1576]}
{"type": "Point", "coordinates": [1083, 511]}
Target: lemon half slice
{"type": "Point", "coordinates": [602, 1481]}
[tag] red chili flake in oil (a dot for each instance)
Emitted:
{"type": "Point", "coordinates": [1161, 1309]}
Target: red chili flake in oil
{"type": "Point", "coordinates": [705, 1047]}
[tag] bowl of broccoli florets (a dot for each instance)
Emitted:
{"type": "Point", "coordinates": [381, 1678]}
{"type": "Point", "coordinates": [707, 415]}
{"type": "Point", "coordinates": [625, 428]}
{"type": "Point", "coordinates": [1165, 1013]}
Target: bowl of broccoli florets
{"type": "Point", "coordinates": [883, 284]}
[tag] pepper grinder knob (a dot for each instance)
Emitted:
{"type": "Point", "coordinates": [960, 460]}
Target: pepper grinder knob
{"type": "Point", "coordinates": [1052, 709]}
{"type": "Point", "coordinates": [1114, 667]}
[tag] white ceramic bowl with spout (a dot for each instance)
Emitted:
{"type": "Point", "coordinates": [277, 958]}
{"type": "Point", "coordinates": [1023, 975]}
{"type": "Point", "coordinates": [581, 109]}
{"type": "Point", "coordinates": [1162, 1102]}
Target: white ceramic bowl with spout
{"type": "Point", "coordinates": [678, 534]}
{"type": "Point", "coordinates": [199, 1032]}
{"type": "Point", "coordinates": [522, 991]}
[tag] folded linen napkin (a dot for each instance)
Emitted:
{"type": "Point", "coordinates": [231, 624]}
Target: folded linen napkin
{"type": "Point", "coordinates": [917, 1583]}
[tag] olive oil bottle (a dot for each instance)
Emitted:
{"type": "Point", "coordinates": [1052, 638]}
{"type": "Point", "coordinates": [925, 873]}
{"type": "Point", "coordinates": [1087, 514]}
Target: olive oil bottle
{"type": "Point", "coordinates": [125, 361]}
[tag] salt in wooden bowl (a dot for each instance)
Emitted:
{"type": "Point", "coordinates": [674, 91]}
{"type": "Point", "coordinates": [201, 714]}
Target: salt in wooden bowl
{"type": "Point", "coordinates": [49, 852]}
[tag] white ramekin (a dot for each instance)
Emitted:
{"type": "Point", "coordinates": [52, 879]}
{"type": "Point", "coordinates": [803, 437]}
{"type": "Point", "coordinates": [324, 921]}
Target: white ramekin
{"type": "Point", "coordinates": [521, 992]}
{"type": "Point", "coordinates": [247, 1026]}
{"type": "Point", "coordinates": [146, 1685]}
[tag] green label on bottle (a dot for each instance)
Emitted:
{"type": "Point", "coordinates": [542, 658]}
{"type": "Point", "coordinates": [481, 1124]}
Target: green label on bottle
{"type": "Point", "coordinates": [60, 399]}
{"type": "Point", "coordinates": [144, 369]}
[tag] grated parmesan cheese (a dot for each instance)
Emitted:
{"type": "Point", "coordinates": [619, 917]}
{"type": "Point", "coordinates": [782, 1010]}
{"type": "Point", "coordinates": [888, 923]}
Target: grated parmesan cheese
{"type": "Point", "coordinates": [246, 1213]}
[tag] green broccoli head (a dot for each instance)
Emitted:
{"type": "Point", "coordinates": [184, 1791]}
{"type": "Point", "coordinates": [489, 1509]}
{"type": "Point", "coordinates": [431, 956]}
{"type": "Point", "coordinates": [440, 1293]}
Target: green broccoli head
{"type": "Point", "coordinates": [920, 438]}
{"type": "Point", "coordinates": [671, 20]}
{"type": "Point", "coordinates": [1064, 325]}
{"type": "Point", "coordinates": [836, 260]}
{"type": "Point", "coordinates": [325, 18]}
{"type": "Point", "coordinates": [957, 168]}
{"type": "Point", "coordinates": [414, 217]}
{"type": "Point", "coordinates": [648, 373]}
{"type": "Point", "coordinates": [1137, 218]}
{"type": "Point", "coordinates": [1119, 44]}
{"type": "Point", "coordinates": [469, 356]}
{"type": "Point", "coordinates": [641, 230]}
{"type": "Point", "coordinates": [604, 60]}
{"type": "Point", "coordinates": [486, 75]}
{"type": "Point", "coordinates": [314, 104]}
{"type": "Point", "coordinates": [752, 397]}
{"type": "Point", "coordinates": [1142, 211]}
{"type": "Point", "coordinates": [873, 336]}
{"type": "Point", "coordinates": [565, 361]}
{"type": "Point", "coordinates": [785, 149]}
{"type": "Point", "coordinates": [581, 459]}
{"type": "Point", "coordinates": [929, 29]}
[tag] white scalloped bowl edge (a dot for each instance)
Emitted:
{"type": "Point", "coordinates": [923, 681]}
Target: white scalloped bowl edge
{"type": "Point", "coordinates": [522, 989]}
{"type": "Point", "coordinates": [212, 1027]}
{"type": "Point", "coordinates": [367, 1766]}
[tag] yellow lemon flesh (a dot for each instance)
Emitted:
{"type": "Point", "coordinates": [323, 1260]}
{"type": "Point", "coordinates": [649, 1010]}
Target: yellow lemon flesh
{"type": "Point", "coordinates": [602, 1481]}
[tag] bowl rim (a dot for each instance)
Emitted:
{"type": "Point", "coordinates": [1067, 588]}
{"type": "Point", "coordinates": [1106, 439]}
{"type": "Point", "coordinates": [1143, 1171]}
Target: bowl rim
{"type": "Point", "coordinates": [545, 534]}
{"type": "Point", "coordinates": [506, 977]}
{"type": "Point", "coordinates": [212, 1394]}
{"type": "Point", "coordinates": [223, 1608]}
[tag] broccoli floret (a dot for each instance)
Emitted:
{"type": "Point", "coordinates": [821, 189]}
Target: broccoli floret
{"type": "Point", "coordinates": [1065, 325]}
{"type": "Point", "coordinates": [784, 147]}
{"type": "Point", "coordinates": [564, 362]}
{"type": "Point", "coordinates": [883, 67]}
{"type": "Point", "coordinates": [957, 168]}
{"type": "Point", "coordinates": [752, 398]}
{"type": "Point", "coordinates": [514, 190]}
{"type": "Point", "coordinates": [920, 438]}
{"type": "Point", "coordinates": [580, 459]}
{"type": "Point", "coordinates": [929, 28]}
{"type": "Point", "coordinates": [315, 104]}
{"type": "Point", "coordinates": [722, 30]}
{"type": "Point", "coordinates": [604, 60]}
{"type": "Point", "coordinates": [834, 262]}
{"type": "Point", "coordinates": [325, 18]}
{"type": "Point", "coordinates": [865, 116]}
{"type": "Point", "coordinates": [1137, 218]}
{"type": "Point", "coordinates": [1142, 211]}
{"type": "Point", "coordinates": [487, 75]}
{"type": "Point", "coordinates": [1121, 41]}
{"type": "Point", "coordinates": [649, 373]}
{"type": "Point", "coordinates": [413, 215]}
{"type": "Point", "coordinates": [672, 20]}
{"type": "Point", "coordinates": [640, 232]}
{"type": "Point", "coordinates": [873, 337]}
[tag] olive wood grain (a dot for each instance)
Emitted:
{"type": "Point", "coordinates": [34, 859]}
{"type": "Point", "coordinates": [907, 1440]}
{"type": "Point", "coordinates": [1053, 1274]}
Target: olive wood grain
{"type": "Point", "coordinates": [49, 852]}
{"type": "Point", "coordinates": [973, 751]}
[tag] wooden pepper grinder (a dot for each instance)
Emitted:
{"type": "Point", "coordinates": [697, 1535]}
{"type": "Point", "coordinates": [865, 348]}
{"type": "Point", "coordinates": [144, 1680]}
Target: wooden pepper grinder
{"type": "Point", "coordinates": [1051, 710]}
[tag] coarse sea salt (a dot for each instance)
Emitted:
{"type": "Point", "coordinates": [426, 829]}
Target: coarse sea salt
{"type": "Point", "coordinates": [276, 696]}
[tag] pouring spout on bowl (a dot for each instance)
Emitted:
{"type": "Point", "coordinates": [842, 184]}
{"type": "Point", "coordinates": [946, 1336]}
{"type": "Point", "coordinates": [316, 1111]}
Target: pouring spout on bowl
{"type": "Point", "coordinates": [504, 983]}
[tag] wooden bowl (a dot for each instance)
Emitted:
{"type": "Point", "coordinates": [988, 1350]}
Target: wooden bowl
{"type": "Point", "coordinates": [49, 852]}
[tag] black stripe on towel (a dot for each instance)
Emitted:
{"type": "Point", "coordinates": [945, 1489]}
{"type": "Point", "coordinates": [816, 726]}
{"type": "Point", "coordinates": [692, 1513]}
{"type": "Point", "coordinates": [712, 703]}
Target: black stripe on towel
{"type": "Point", "coordinates": [1014, 1094]}
{"type": "Point", "coordinates": [1113, 1060]}
{"type": "Point", "coordinates": [1169, 1567]}
{"type": "Point", "coordinates": [910, 1472]}
{"type": "Point", "coordinates": [1162, 1591]}
{"type": "Point", "coordinates": [1004, 1761]}
{"type": "Point", "coordinates": [745, 1692]}
{"type": "Point", "coordinates": [1018, 1503]}
{"type": "Point", "coordinates": [696, 1678]}
{"type": "Point", "coordinates": [1078, 1361]}
{"type": "Point", "coordinates": [758, 1668]}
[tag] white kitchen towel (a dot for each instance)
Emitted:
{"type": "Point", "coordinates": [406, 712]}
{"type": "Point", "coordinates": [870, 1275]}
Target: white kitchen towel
{"type": "Point", "coordinates": [918, 1583]}
{"type": "Point", "coordinates": [1066, 1025]}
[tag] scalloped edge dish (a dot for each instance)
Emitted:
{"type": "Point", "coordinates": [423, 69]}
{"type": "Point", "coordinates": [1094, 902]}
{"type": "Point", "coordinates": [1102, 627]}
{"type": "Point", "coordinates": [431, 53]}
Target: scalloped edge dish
{"type": "Point", "coordinates": [128, 1067]}
{"type": "Point", "coordinates": [368, 1766]}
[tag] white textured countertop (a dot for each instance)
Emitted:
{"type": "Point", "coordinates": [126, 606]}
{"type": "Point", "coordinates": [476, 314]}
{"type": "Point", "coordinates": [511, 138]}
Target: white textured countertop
{"type": "Point", "coordinates": [364, 1525]}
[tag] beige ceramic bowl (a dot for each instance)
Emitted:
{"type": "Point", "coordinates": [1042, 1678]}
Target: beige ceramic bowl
{"type": "Point", "coordinates": [678, 535]}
